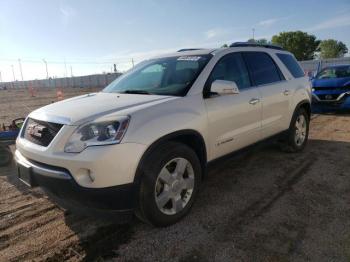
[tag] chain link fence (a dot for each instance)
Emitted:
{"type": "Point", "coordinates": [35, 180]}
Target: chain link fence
{"type": "Point", "coordinates": [102, 80]}
{"type": "Point", "coordinates": [312, 66]}
{"type": "Point", "coordinates": [95, 81]}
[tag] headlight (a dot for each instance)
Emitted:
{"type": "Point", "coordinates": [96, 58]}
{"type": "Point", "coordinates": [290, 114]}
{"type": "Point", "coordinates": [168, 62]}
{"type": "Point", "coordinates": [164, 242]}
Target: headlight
{"type": "Point", "coordinates": [96, 133]}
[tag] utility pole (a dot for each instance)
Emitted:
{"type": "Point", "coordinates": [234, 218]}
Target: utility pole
{"type": "Point", "coordinates": [253, 33]}
{"type": "Point", "coordinates": [20, 68]}
{"type": "Point", "coordinates": [132, 61]}
{"type": "Point", "coordinates": [13, 73]}
{"type": "Point", "coordinates": [65, 68]}
{"type": "Point", "coordinates": [0, 77]}
{"type": "Point", "coordinates": [71, 71]}
{"type": "Point", "coordinates": [47, 72]}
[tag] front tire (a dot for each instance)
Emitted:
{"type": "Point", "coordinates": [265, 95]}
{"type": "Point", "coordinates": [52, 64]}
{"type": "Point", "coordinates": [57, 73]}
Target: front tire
{"type": "Point", "coordinates": [169, 184]}
{"type": "Point", "coordinates": [298, 132]}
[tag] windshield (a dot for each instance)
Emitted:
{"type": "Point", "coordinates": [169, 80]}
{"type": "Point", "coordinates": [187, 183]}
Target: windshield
{"type": "Point", "coordinates": [171, 76]}
{"type": "Point", "coordinates": [334, 72]}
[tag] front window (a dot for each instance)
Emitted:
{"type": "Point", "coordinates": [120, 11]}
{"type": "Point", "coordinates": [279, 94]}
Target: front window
{"type": "Point", "coordinates": [231, 68]}
{"type": "Point", "coordinates": [334, 72]}
{"type": "Point", "coordinates": [171, 76]}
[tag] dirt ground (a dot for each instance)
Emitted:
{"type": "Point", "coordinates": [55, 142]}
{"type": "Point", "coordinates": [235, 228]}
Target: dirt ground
{"type": "Point", "coordinates": [259, 205]}
{"type": "Point", "coordinates": [16, 103]}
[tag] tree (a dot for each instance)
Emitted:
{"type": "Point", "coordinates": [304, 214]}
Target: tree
{"type": "Point", "coordinates": [224, 45]}
{"type": "Point", "coordinates": [331, 48]}
{"type": "Point", "coordinates": [261, 41]}
{"type": "Point", "coordinates": [301, 44]}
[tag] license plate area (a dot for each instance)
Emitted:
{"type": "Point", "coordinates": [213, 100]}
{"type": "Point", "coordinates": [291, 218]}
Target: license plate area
{"type": "Point", "coordinates": [25, 174]}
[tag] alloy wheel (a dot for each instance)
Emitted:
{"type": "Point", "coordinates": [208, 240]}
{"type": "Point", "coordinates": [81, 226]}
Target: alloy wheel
{"type": "Point", "coordinates": [174, 186]}
{"type": "Point", "coordinates": [300, 130]}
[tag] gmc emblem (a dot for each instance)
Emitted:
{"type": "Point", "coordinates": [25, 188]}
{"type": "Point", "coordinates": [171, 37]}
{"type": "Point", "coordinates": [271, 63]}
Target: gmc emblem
{"type": "Point", "coordinates": [36, 130]}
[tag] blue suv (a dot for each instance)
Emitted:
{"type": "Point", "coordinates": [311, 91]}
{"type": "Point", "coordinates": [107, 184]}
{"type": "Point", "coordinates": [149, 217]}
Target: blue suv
{"type": "Point", "coordinates": [331, 89]}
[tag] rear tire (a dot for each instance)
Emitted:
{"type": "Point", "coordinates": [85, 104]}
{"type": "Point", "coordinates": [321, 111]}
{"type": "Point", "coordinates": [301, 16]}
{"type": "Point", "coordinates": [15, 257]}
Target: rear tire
{"type": "Point", "coordinates": [169, 184]}
{"type": "Point", "coordinates": [298, 132]}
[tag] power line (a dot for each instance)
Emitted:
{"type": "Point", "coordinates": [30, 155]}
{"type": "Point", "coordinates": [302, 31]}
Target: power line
{"type": "Point", "coordinates": [120, 63]}
{"type": "Point", "coordinates": [121, 60]}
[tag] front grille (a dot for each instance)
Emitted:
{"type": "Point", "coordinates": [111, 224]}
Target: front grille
{"type": "Point", "coordinates": [41, 132]}
{"type": "Point", "coordinates": [327, 97]}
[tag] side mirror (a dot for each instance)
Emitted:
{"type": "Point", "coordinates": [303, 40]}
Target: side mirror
{"type": "Point", "coordinates": [310, 74]}
{"type": "Point", "coordinates": [223, 87]}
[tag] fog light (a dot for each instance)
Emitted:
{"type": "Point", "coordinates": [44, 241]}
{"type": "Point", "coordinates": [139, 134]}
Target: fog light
{"type": "Point", "coordinates": [84, 176]}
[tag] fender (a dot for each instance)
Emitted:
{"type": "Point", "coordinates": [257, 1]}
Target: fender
{"type": "Point", "coordinates": [177, 135]}
{"type": "Point", "coordinates": [302, 103]}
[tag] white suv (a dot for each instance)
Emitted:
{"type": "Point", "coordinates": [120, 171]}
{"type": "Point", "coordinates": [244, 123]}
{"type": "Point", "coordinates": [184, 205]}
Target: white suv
{"type": "Point", "coordinates": [143, 143]}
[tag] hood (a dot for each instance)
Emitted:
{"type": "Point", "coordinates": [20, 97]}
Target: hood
{"type": "Point", "coordinates": [333, 82]}
{"type": "Point", "coordinates": [84, 108]}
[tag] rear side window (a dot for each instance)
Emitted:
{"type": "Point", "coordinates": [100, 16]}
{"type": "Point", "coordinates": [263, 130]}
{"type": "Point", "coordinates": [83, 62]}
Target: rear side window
{"type": "Point", "coordinates": [263, 69]}
{"type": "Point", "coordinates": [231, 68]}
{"type": "Point", "coordinates": [292, 65]}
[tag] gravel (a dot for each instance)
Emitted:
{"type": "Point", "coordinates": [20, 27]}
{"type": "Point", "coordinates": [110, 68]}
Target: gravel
{"type": "Point", "coordinates": [258, 205]}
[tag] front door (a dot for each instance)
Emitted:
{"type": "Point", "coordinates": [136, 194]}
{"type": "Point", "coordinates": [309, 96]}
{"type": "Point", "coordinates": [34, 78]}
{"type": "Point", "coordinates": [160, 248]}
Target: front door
{"type": "Point", "coordinates": [234, 120]}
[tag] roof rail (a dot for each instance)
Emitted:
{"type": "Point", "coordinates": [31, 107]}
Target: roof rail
{"type": "Point", "coordinates": [189, 49]}
{"type": "Point", "coordinates": [248, 44]}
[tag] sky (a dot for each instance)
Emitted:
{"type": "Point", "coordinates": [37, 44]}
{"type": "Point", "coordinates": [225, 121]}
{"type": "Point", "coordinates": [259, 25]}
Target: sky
{"type": "Point", "coordinates": [79, 37]}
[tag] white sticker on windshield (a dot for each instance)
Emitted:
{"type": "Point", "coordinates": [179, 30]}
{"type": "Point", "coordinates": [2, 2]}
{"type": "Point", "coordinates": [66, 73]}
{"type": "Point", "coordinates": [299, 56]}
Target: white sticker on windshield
{"type": "Point", "coordinates": [189, 58]}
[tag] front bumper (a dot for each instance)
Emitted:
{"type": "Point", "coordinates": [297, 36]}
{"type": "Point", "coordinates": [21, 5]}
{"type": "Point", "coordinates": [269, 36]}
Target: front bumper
{"type": "Point", "coordinates": [340, 102]}
{"type": "Point", "coordinates": [95, 167]}
{"type": "Point", "coordinates": [59, 184]}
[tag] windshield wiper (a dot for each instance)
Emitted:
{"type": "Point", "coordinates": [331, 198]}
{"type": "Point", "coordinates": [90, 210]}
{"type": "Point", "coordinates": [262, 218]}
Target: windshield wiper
{"type": "Point", "coordinates": [142, 92]}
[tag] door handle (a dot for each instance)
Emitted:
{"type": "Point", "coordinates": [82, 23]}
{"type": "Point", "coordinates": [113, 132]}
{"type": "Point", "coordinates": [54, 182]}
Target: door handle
{"type": "Point", "coordinates": [254, 101]}
{"type": "Point", "coordinates": [286, 92]}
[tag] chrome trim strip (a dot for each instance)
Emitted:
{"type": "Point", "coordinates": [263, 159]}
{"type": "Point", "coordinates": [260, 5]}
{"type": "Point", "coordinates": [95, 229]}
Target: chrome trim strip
{"type": "Point", "coordinates": [44, 171]}
{"type": "Point", "coordinates": [42, 116]}
{"type": "Point", "coordinates": [333, 100]}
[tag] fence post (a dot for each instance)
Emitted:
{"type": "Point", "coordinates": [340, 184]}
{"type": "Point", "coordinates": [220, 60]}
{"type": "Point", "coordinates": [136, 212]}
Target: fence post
{"type": "Point", "coordinates": [31, 89]}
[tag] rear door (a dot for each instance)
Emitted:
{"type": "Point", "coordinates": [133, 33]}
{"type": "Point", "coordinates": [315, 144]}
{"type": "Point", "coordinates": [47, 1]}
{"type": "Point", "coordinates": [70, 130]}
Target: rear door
{"type": "Point", "coordinates": [234, 120]}
{"type": "Point", "coordinates": [274, 90]}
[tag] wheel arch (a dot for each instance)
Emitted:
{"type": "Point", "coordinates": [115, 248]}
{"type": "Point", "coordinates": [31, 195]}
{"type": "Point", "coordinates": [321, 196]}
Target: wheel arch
{"type": "Point", "coordinates": [305, 104]}
{"type": "Point", "coordinates": [189, 137]}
